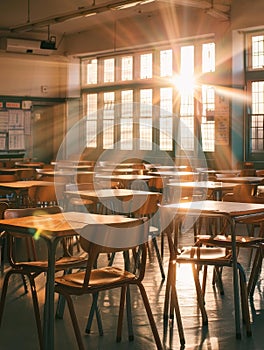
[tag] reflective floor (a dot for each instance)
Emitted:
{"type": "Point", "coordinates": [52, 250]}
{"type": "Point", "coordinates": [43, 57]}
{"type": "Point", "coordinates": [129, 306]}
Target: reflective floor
{"type": "Point", "coordinates": [18, 330]}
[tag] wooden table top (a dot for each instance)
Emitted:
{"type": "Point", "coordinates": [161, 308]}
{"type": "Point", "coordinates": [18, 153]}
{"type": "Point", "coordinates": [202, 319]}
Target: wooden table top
{"type": "Point", "coordinates": [232, 209]}
{"type": "Point", "coordinates": [25, 184]}
{"type": "Point", "coordinates": [204, 184]}
{"type": "Point", "coordinates": [59, 224]}
{"type": "Point", "coordinates": [109, 193]}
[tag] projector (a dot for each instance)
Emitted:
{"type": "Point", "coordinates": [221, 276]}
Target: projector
{"type": "Point", "coordinates": [48, 45]}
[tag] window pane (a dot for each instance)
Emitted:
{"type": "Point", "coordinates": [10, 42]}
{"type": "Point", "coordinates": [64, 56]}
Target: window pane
{"type": "Point", "coordinates": [146, 66]}
{"type": "Point", "coordinates": [166, 63]}
{"type": "Point", "coordinates": [126, 127]}
{"type": "Point", "coordinates": [208, 55]}
{"type": "Point", "coordinates": [127, 68]}
{"type": "Point", "coordinates": [92, 72]}
{"type": "Point", "coordinates": [166, 126]}
{"type": "Point", "coordinates": [257, 51]}
{"type": "Point", "coordinates": [108, 120]}
{"type": "Point", "coordinates": [91, 121]}
{"type": "Point", "coordinates": [257, 116]}
{"type": "Point", "coordinates": [109, 70]}
{"type": "Point", "coordinates": [145, 122]}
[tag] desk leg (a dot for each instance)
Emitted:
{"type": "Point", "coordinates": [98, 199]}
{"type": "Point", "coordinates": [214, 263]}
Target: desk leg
{"type": "Point", "coordinates": [48, 326]}
{"type": "Point", "coordinates": [235, 282]}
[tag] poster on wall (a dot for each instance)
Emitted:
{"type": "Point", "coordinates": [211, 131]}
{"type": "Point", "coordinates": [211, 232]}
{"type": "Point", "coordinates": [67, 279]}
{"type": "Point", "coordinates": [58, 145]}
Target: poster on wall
{"type": "Point", "coordinates": [4, 121]}
{"type": "Point", "coordinates": [16, 119]}
{"type": "Point", "coordinates": [16, 140]}
{"type": "Point", "coordinates": [222, 132]}
{"type": "Point", "coordinates": [2, 142]}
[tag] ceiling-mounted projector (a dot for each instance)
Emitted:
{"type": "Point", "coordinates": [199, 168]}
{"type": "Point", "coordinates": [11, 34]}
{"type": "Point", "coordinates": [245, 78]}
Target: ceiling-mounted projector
{"type": "Point", "coordinates": [48, 45]}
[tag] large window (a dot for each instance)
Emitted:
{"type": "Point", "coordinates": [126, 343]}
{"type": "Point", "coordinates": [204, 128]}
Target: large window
{"type": "Point", "coordinates": [255, 84]}
{"type": "Point", "coordinates": [135, 100]}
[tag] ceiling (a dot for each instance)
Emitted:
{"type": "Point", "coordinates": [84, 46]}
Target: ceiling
{"type": "Point", "coordinates": [25, 17]}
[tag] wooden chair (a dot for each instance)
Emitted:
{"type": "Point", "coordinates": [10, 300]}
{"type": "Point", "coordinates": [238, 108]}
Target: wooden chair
{"type": "Point", "coordinates": [148, 209]}
{"type": "Point", "coordinates": [198, 255]}
{"type": "Point", "coordinates": [27, 174]}
{"type": "Point", "coordinates": [50, 195]}
{"type": "Point", "coordinates": [7, 195]}
{"type": "Point", "coordinates": [92, 281]}
{"type": "Point", "coordinates": [78, 203]}
{"type": "Point", "coordinates": [32, 266]}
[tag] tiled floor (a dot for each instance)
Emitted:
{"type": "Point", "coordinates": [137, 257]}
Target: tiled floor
{"type": "Point", "coordinates": [18, 330]}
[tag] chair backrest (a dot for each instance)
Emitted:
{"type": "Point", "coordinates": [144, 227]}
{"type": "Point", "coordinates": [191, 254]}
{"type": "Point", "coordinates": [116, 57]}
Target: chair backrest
{"type": "Point", "coordinates": [243, 193]}
{"type": "Point", "coordinates": [84, 178]}
{"type": "Point", "coordinates": [96, 239]}
{"type": "Point", "coordinates": [49, 195]}
{"type": "Point", "coordinates": [145, 205]}
{"type": "Point", "coordinates": [27, 174]}
{"type": "Point", "coordinates": [31, 253]}
{"type": "Point", "coordinates": [8, 177]}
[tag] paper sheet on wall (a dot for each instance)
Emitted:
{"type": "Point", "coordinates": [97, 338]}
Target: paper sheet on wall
{"type": "Point", "coordinates": [16, 140]}
{"type": "Point", "coordinates": [2, 142]}
{"type": "Point", "coordinates": [16, 119]}
{"type": "Point", "coordinates": [27, 122]}
{"type": "Point", "coordinates": [4, 121]}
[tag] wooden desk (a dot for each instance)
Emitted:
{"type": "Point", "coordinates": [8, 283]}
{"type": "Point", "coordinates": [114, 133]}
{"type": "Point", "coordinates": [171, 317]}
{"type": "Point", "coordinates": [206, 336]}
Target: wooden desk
{"type": "Point", "coordinates": [52, 228]}
{"type": "Point", "coordinates": [232, 211]}
{"type": "Point", "coordinates": [251, 180]}
{"type": "Point", "coordinates": [21, 188]}
{"type": "Point", "coordinates": [199, 186]}
{"type": "Point", "coordinates": [125, 180]}
{"type": "Point", "coordinates": [117, 200]}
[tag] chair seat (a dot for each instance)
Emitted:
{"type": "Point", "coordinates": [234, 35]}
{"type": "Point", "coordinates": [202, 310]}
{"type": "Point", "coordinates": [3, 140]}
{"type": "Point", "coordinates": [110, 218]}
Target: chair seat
{"type": "Point", "coordinates": [80, 201]}
{"type": "Point", "coordinates": [61, 263]}
{"type": "Point", "coordinates": [203, 254]}
{"type": "Point", "coordinates": [223, 240]}
{"type": "Point", "coordinates": [108, 276]}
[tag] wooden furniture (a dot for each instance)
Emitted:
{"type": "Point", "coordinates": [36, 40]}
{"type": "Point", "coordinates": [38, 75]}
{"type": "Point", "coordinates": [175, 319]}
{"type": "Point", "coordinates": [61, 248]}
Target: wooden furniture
{"type": "Point", "coordinates": [215, 189]}
{"type": "Point", "coordinates": [21, 190]}
{"type": "Point", "coordinates": [92, 281]}
{"type": "Point", "coordinates": [126, 181]}
{"type": "Point", "coordinates": [32, 265]}
{"type": "Point", "coordinates": [52, 229]}
{"type": "Point", "coordinates": [231, 212]}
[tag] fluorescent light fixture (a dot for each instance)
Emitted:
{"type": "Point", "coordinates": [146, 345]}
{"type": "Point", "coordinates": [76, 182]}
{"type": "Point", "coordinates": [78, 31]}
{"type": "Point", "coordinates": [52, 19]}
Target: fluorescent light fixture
{"type": "Point", "coordinates": [217, 14]}
{"type": "Point", "coordinates": [131, 4]}
{"type": "Point", "coordinates": [90, 14]}
{"type": "Point", "coordinates": [126, 6]}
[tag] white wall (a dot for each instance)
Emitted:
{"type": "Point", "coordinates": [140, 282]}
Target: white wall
{"type": "Point", "coordinates": [33, 76]}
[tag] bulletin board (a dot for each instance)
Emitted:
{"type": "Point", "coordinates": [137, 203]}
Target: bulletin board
{"type": "Point", "coordinates": [15, 124]}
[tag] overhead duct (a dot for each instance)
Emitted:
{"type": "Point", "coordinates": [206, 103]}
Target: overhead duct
{"type": "Point", "coordinates": [35, 47]}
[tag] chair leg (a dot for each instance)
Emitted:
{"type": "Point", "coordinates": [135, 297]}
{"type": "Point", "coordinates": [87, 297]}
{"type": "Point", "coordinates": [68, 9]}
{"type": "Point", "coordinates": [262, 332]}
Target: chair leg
{"type": "Point", "coordinates": [200, 296]}
{"type": "Point", "coordinates": [150, 316]}
{"type": "Point", "coordinates": [74, 321]}
{"type": "Point", "coordinates": [129, 315]}
{"type": "Point", "coordinates": [36, 310]}
{"type": "Point", "coordinates": [255, 272]}
{"type": "Point", "coordinates": [244, 300]}
{"type": "Point", "coordinates": [94, 309]}
{"type": "Point", "coordinates": [3, 295]}
{"type": "Point", "coordinates": [121, 314]}
{"type": "Point", "coordinates": [154, 240]}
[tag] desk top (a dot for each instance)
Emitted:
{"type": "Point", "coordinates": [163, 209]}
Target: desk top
{"type": "Point", "coordinates": [124, 177]}
{"type": "Point", "coordinates": [243, 179]}
{"type": "Point", "coordinates": [110, 193]}
{"type": "Point", "coordinates": [204, 184]}
{"type": "Point", "coordinates": [25, 184]}
{"type": "Point", "coordinates": [232, 209]}
{"type": "Point", "coordinates": [59, 224]}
